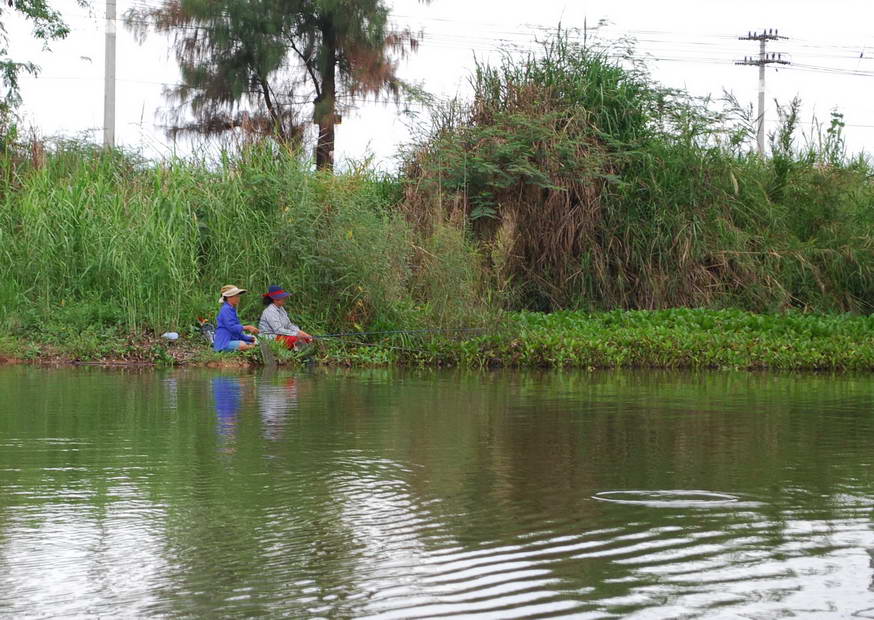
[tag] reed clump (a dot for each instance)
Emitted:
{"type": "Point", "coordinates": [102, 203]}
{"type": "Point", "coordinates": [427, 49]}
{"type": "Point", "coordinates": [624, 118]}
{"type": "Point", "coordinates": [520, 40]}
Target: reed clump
{"type": "Point", "coordinates": [587, 185]}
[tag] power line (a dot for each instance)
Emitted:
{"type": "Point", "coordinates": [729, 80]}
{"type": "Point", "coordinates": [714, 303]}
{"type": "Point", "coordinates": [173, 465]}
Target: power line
{"type": "Point", "coordinates": [485, 42]}
{"type": "Point", "coordinates": [669, 51]}
{"type": "Point", "coordinates": [537, 29]}
{"type": "Point", "coordinates": [832, 70]}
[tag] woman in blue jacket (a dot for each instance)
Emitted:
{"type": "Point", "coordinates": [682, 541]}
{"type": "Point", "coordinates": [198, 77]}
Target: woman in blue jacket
{"type": "Point", "coordinates": [229, 334]}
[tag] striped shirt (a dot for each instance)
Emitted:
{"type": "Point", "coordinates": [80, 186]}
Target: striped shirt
{"type": "Point", "coordinates": [275, 322]}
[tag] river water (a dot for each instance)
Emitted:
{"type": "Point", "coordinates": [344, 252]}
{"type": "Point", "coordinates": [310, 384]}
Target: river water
{"type": "Point", "coordinates": [388, 494]}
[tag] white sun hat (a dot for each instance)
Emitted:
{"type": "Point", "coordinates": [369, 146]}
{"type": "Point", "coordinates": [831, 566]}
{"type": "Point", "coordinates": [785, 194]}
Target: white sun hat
{"type": "Point", "coordinates": [229, 290]}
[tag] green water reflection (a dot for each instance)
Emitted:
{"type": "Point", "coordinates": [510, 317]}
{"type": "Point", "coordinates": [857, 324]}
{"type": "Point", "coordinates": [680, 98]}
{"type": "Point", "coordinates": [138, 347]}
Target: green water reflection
{"type": "Point", "coordinates": [414, 494]}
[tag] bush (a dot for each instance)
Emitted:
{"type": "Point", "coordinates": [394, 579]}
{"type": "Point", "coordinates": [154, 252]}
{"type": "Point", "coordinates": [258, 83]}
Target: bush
{"type": "Point", "coordinates": [589, 186]}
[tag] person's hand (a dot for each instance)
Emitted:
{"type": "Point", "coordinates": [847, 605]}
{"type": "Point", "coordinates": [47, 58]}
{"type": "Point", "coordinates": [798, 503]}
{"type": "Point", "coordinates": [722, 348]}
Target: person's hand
{"type": "Point", "coordinates": [305, 337]}
{"type": "Point", "coordinates": [251, 329]}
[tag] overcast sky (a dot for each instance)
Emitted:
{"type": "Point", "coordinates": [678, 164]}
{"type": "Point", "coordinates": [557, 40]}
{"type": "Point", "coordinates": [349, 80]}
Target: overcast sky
{"type": "Point", "coordinates": [693, 44]}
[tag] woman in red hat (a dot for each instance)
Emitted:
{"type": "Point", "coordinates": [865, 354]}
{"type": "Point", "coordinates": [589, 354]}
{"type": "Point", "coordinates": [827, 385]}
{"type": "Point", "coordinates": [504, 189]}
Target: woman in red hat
{"type": "Point", "coordinates": [275, 324]}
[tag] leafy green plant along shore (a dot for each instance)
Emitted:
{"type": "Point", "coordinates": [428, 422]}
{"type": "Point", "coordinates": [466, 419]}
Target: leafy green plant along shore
{"type": "Point", "coordinates": [677, 338]}
{"type": "Point", "coordinates": [570, 184]}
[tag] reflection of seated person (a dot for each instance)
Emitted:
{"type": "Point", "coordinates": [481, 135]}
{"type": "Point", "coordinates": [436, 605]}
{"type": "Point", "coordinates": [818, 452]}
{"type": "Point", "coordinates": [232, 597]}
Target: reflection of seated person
{"type": "Point", "coordinates": [275, 324]}
{"type": "Point", "coordinates": [226, 391]}
{"type": "Point", "coordinates": [274, 403]}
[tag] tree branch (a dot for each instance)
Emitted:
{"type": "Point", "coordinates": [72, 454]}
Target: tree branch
{"type": "Point", "coordinates": [309, 68]}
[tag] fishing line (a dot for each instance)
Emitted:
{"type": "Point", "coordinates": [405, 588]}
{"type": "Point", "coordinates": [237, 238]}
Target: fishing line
{"type": "Point", "coordinates": [402, 332]}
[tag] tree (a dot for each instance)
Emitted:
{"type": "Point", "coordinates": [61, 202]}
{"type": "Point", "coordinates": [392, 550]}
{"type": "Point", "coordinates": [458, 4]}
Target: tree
{"type": "Point", "coordinates": [255, 63]}
{"type": "Point", "coordinates": [47, 25]}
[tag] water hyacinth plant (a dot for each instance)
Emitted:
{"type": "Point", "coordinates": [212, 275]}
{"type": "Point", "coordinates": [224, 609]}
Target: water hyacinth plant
{"type": "Point", "coordinates": [678, 338]}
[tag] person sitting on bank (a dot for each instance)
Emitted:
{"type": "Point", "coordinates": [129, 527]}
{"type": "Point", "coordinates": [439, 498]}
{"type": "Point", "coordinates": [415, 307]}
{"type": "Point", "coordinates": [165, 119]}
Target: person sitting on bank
{"type": "Point", "coordinates": [275, 324]}
{"type": "Point", "coordinates": [229, 334]}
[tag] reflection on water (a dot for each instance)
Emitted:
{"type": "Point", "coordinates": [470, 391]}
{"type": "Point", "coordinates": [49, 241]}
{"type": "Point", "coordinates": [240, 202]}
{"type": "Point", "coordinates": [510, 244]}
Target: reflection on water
{"type": "Point", "coordinates": [276, 396]}
{"type": "Point", "coordinates": [398, 495]}
{"type": "Point", "coordinates": [227, 393]}
{"type": "Point", "coordinates": [667, 499]}
{"type": "Point", "coordinates": [276, 400]}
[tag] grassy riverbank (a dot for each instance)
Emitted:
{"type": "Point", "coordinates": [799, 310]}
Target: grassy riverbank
{"type": "Point", "coordinates": [570, 185]}
{"type": "Point", "coordinates": [681, 338]}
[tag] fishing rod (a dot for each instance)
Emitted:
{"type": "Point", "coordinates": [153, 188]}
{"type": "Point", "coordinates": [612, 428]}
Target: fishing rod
{"type": "Point", "coordinates": [402, 332]}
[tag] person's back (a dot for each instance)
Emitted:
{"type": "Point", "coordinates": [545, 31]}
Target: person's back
{"type": "Point", "coordinates": [275, 324]}
{"type": "Point", "coordinates": [229, 332]}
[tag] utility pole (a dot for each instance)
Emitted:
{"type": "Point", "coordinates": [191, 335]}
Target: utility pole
{"type": "Point", "coordinates": [761, 62]}
{"type": "Point", "coordinates": [109, 78]}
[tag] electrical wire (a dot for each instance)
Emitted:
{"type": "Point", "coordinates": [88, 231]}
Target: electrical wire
{"type": "Point", "coordinates": [490, 42]}
{"type": "Point", "coordinates": [650, 44]}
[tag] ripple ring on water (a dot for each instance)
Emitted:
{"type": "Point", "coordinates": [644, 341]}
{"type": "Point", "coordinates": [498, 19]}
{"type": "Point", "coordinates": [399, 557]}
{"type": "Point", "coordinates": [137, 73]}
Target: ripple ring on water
{"type": "Point", "coordinates": [666, 499]}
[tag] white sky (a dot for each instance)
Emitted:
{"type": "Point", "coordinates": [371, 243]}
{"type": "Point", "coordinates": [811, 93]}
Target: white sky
{"type": "Point", "coordinates": [694, 44]}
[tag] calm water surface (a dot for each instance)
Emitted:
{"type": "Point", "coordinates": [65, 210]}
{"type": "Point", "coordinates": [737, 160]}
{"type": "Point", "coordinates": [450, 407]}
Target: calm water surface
{"type": "Point", "coordinates": [401, 495]}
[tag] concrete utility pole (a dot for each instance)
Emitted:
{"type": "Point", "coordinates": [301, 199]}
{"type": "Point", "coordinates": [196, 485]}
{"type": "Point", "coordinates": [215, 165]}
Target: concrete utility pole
{"type": "Point", "coordinates": [761, 62]}
{"type": "Point", "coordinates": [109, 78]}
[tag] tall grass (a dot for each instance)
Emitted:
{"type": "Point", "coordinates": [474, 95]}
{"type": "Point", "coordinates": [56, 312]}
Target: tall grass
{"type": "Point", "coordinates": [590, 186]}
{"type": "Point", "coordinates": [96, 237]}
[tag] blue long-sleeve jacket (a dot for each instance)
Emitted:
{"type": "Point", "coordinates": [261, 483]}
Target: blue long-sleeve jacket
{"type": "Point", "coordinates": [228, 327]}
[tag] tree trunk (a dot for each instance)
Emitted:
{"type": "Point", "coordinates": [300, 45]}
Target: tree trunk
{"type": "Point", "coordinates": [325, 144]}
{"type": "Point", "coordinates": [325, 108]}
{"type": "Point", "coordinates": [278, 129]}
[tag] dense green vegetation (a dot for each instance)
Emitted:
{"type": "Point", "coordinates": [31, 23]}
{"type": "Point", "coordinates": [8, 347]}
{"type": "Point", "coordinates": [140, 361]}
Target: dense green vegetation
{"type": "Point", "coordinates": [569, 184]}
{"type": "Point", "coordinates": [678, 338]}
{"type": "Point", "coordinates": [589, 186]}
{"type": "Point", "coordinates": [93, 238]}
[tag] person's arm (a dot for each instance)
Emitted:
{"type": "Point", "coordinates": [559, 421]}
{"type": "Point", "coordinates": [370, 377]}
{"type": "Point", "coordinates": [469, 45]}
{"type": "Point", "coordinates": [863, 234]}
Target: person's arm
{"type": "Point", "coordinates": [295, 330]}
{"type": "Point", "coordinates": [252, 330]}
{"type": "Point", "coordinates": [246, 338]}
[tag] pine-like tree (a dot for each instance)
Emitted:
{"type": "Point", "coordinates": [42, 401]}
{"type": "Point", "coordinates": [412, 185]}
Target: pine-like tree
{"type": "Point", "coordinates": [256, 63]}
